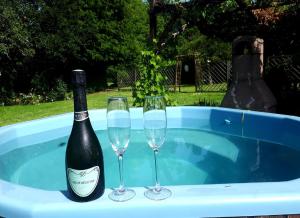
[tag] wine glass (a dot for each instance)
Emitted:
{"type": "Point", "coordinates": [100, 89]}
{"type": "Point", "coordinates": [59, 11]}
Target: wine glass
{"type": "Point", "coordinates": [118, 127]}
{"type": "Point", "coordinates": [155, 125]}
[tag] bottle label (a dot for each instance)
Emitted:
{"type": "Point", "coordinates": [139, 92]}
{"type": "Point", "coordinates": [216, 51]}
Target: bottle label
{"type": "Point", "coordinates": [80, 116]}
{"type": "Point", "coordinates": [84, 182]}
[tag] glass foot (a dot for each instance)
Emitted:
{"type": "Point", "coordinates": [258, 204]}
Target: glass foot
{"type": "Point", "coordinates": [157, 195]}
{"type": "Point", "coordinates": [121, 195]}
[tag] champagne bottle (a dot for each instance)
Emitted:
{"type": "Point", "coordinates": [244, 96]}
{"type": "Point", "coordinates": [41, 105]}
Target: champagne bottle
{"type": "Point", "coordinates": [84, 158]}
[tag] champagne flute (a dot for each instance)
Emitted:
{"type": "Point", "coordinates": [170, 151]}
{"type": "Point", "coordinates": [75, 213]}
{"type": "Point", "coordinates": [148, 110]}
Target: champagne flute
{"type": "Point", "coordinates": [155, 125]}
{"type": "Point", "coordinates": [118, 127]}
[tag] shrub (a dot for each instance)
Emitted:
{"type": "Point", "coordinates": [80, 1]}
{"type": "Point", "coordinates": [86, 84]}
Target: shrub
{"type": "Point", "coordinates": [40, 84]}
{"type": "Point", "coordinates": [30, 98]}
{"type": "Point", "coordinates": [151, 82]}
{"type": "Point", "coordinates": [39, 94]}
{"type": "Point", "coordinates": [6, 98]}
{"type": "Point", "coordinates": [58, 92]}
{"type": "Point", "coordinates": [49, 90]}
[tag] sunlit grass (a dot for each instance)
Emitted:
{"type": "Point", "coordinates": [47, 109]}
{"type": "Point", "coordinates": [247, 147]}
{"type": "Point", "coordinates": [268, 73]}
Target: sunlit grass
{"type": "Point", "coordinates": [20, 113]}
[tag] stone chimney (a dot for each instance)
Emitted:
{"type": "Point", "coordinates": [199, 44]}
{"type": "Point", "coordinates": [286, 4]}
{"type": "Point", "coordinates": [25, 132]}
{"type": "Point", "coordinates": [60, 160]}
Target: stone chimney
{"type": "Point", "coordinates": [247, 89]}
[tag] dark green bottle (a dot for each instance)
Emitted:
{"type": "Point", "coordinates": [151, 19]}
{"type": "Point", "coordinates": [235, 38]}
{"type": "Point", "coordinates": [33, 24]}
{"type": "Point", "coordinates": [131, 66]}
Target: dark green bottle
{"type": "Point", "coordinates": [84, 158]}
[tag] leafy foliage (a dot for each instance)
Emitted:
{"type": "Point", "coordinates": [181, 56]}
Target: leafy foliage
{"type": "Point", "coordinates": [15, 46]}
{"type": "Point", "coordinates": [192, 41]}
{"type": "Point", "coordinates": [274, 21]}
{"type": "Point", "coordinates": [151, 82]}
{"type": "Point", "coordinates": [41, 41]}
{"type": "Point", "coordinates": [57, 93]}
{"type": "Point", "coordinates": [133, 37]}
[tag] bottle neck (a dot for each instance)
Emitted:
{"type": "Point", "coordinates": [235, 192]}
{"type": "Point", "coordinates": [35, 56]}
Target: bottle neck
{"type": "Point", "coordinates": [80, 103]}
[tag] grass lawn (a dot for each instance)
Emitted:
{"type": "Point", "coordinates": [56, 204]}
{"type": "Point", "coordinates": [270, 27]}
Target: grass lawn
{"type": "Point", "coordinates": [19, 113]}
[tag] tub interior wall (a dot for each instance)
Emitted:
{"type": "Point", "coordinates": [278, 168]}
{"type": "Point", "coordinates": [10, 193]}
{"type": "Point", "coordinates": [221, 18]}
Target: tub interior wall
{"type": "Point", "coordinates": [253, 125]}
{"type": "Point", "coordinates": [275, 128]}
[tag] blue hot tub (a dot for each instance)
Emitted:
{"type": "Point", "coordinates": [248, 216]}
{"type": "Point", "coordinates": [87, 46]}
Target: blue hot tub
{"type": "Point", "coordinates": [249, 166]}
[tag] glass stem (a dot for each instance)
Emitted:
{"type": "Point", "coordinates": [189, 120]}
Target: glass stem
{"type": "Point", "coordinates": [157, 185]}
{"type": "Point", "coordinates": [121, 187]}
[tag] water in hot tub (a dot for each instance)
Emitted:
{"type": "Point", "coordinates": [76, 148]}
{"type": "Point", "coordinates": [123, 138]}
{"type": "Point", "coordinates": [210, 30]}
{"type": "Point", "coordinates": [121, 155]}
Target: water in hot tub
{"type": "Point", "coordinates": [188, 157]}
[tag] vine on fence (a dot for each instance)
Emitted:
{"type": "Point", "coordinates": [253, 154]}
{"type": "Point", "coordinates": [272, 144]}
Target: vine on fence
{"type": "Point", "coordinates": [151, 82]}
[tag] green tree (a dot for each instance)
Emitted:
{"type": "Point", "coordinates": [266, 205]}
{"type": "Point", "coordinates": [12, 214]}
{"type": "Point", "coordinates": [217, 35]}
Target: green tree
{"type": "Point", "coordinates": [41, 41]}
{"type": "Point", "coordinates": [133, 31]}
{"type": "Point", "coordinates": [15, 47]}
{"type": "Point", "coordinates": [96, 35]}
{"type": "Point", "coordinates": [191, 41]}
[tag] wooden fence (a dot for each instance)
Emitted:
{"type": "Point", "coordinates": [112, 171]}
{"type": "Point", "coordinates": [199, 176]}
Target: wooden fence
{"type": "Point", "coordinates": [209, 77]}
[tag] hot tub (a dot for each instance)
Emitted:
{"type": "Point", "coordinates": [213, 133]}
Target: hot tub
{"type": "Point", "coordinates": [273, 191]}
